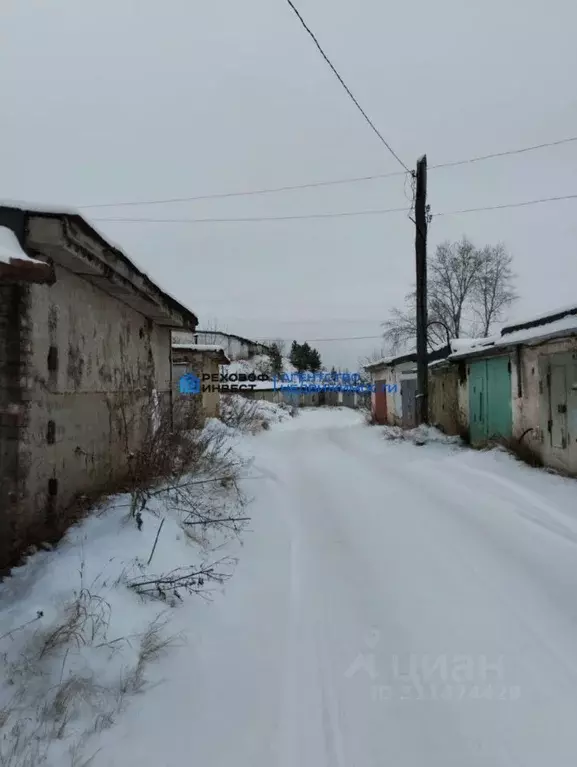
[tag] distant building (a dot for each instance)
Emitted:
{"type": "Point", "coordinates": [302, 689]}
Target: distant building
{"type": "Point", "coordinates": [204, 360]}
{"type": "Point", "coordinates": [85, 348]}
{"type": "Point", "coordinates": [395, 380]}
{"type": "Point", "coordinates": [235, 347]}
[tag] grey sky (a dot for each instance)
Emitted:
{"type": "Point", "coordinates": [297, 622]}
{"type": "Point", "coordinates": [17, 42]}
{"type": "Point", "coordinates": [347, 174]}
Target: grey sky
{"type": "Point", "coordinates": [117, 100]}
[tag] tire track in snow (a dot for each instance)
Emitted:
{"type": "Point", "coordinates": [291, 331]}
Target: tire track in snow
{"type": "Point", "coordinates": [450, 500]}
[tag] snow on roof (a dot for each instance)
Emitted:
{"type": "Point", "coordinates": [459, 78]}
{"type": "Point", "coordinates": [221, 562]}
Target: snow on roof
{"type": "Point", "coordinates": [462, 344]}
{"type": "Point", "coordinates": [541, 319]}
{"type": "Point", "coordinates": [10, 248]}
{"type": "Point", "coordinates": [378, 363]}
{"type": "Point", "coordinates": [565, 326]}
{"type": "Point", "coordinates": [232, 335]}
{"type": "Point", "coordinates": [199, 347]}
{"type": "Point", "coordinates": [40, 207]}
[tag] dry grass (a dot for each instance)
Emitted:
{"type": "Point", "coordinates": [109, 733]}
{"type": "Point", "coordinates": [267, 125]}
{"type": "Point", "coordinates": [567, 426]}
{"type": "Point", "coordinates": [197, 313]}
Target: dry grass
{"type": "Point", "coordinates": [153, 644]}
{"type": "Point", "coordinates": [241, 414]}
{"type": "Point", "coordinates": [27, 730]}
{"type": "Point", "coordinates": [86, 618]}
{"type": "Point", "coordinates": [522, 450]}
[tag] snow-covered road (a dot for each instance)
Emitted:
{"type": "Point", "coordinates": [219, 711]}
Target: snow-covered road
{"type": "Point", "coordinates": [394, 605]}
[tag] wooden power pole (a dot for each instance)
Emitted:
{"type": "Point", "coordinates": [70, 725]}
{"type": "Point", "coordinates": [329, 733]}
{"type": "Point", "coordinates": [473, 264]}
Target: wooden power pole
{"type": "Point", "coordinates": [421, 263]}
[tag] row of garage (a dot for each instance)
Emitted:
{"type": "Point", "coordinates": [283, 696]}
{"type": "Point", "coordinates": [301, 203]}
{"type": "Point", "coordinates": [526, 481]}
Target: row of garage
{"type": "Point", "coordinates": [519, 386]}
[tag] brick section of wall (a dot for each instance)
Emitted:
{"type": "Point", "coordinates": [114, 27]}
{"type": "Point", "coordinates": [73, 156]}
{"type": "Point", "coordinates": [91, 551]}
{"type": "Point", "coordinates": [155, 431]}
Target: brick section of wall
{"type": "Point", "coordinates": [14, 358]}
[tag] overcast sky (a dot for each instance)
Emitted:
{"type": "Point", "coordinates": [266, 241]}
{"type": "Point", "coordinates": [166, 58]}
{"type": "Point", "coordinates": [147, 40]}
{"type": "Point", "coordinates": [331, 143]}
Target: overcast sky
{"type": "Point", "coordinates": [120, 100]}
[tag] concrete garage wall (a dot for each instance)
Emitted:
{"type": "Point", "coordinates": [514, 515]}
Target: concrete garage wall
{"type": "Point", "coordinates": [201, 364]}
{"type": "Point", "coordinates": [531, 410]}
{"type": "Point", "coordinates": [86, 354]}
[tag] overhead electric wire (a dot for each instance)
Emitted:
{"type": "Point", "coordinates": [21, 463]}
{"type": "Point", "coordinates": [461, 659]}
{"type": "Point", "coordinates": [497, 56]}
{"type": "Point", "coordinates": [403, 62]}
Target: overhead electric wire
{"type": "Point", "coordinates": [334, 182]}
{"type": "Point", "coordinates": [339, 214]}
{"type": "Point", "coordinates": [257, 219]}
{"type": "Point", "coordinates": [506, 153]}
{"type": "Point", "coordinates": [507, 205]}
{"type": "Point", "coordinates": [346, 87]}
{"type": "Point", "coordinates": [316, 340]}
{"type": "Point", "coordinates": [251, 192]}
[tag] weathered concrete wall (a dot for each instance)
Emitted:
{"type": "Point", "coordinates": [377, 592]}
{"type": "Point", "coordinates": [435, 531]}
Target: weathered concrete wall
{"type": "Point", "coordinates": [463, 398]}
{"type": "Point", "coordinates": [447, 389]}
{"type": "Point", "coordinates": [526, 409]}
{"type": "Point", "coordinates": [443, 398]}
{"type": "Point", "coordinates": [531, 409]}
{"type": "Point", "coordinates": [202, 365]}
{"type": "Point", "coordinates": [90, 365]}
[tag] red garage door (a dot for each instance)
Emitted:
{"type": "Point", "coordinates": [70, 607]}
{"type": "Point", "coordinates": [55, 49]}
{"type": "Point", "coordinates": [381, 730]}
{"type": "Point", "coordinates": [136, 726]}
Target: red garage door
{"type": "Point", "coordinates": [380, 402]}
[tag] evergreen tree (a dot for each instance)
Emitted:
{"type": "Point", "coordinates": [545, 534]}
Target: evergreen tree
{"type": "Point", "coordinates": [296, 357]}
{"type": "Point", "coordinates": [303, 357]}
{"type": "Point", "coordinates": [306, 356]}
{"type": "Point", "coordinates": [276, 361]}
{"type": "Point", "coordinates": [314, 361]}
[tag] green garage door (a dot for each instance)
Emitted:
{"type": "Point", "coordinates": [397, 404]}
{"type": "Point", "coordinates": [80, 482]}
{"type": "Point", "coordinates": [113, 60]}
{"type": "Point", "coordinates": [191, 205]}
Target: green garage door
{"type": "Point", "coordinates": [490, 413]}
{"type": "Point", "coordinates": [499, 416]}
{"type": "Point", "coordinates": [478, 401]}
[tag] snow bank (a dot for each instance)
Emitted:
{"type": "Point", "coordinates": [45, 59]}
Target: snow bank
{"type": "Point", "coordinates": [421, 435]}
{"type": "Point", "coordinates": [260, 363]}
{"type": "Point", "coordinates": [313, 418]}
{"type": "Point", "coordinates": [77, 636]}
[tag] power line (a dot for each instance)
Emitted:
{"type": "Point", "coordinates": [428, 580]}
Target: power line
{"type": "Point", "coordinates": [253, 219]}
{"type": "Point", "coordinates": [251, 192]}
{"type": "Point", "coordinates": [508, 205]}
{"type": "Point", "coordinates": [316, 340]}
{"type": "Point", "coordinates": [339, 214]}
{"type": "Point", "coordinates": [333, 182]}
{"type": "Point", "coordinates": [346, 87]}
{"type": "Point", "coordinates": [507, 153]}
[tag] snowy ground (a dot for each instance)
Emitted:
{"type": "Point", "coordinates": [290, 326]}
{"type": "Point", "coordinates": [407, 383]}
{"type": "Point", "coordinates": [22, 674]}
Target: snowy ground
{"type": "Point", "coordinates": [394, 604]}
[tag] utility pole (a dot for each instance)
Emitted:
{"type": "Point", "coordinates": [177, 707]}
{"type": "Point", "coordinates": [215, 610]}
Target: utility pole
{"type": "Point", "coordinates": [421, 264]}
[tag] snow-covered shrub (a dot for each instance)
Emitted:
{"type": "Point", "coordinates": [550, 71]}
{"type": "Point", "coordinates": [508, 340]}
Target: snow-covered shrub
{"type": "Point", "coordinates": [252, 415]}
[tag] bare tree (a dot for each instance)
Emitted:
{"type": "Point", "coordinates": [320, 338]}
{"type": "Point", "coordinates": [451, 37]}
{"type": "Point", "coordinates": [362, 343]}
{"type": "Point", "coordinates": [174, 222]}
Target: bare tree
{"type": "Point", "coordinates": [452, 274]}
{"type": "Point", "coordinates": [401, 327]}
{"type": "Point", "coordinates": [468, 290]}
{"type": "Point", "coordinates": [493, 292]}
{"type": "Point", "coordinates": [375, 356]}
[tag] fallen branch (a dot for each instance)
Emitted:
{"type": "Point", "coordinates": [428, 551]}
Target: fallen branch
{"type": "Point", "coordinates": [181, 485]}
{"type": "Point", "coordinates": [155, 542]}
{"type": "Point", "coordinates": [190, 579]}
{"type": "Point", "coordinates": [218, 521]}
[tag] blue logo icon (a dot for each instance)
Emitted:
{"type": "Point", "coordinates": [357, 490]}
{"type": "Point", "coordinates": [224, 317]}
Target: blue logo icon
{"type": "Point", "coordinates": [189, 384]}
